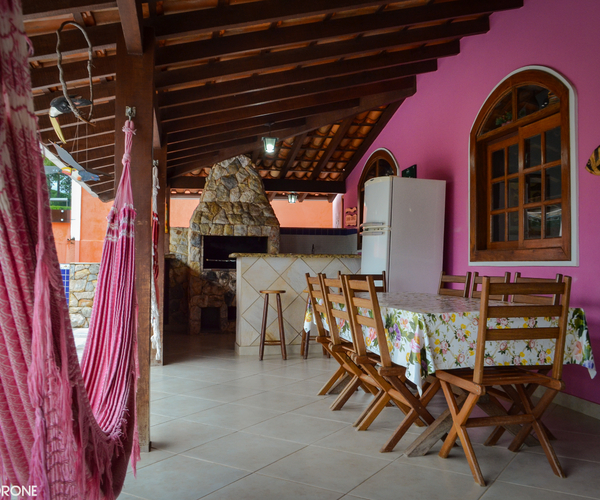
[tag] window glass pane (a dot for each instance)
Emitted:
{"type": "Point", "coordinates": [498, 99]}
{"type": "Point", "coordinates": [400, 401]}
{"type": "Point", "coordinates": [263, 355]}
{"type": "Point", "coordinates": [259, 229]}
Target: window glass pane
{"type": "Point", "coordinates": [498, 163]}
{"type": "Point", "coordinates": [513, 226]}
{"type": "Point", "coordinates": [497, 195]}
{"type": "Point", "coordinates": [513, 159]}
{"type": "Point", "coordinates": [553, 183]}
{"type": "Point", "coordinates": [384, 168]}
{"type": "Point", "coordinates": [553, 145]}
{"type": "Point", "coordinates": [533, 223]}
{"type": "Point", "coordinates": [553, 221]}
{"type": "Point", "coordinates": [533, 151]}
{"type": "Point", "coordinates": [531, 98]}
{"type": "Point", "coordinates": [498, 227]}
{"type": "Point", "coordinates": [533, 187]}
{"type": "Point", "coordinates": [513, 192]}
{"type": "Point", "coordinates": [501, 114]}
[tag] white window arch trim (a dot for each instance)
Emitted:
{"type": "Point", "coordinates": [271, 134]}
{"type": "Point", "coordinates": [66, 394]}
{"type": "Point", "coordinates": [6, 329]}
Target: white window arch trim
{"type": "Point", "coordinates": [573, 169]}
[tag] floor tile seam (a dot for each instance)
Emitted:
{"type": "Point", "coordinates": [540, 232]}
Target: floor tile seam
{"type": "Point", "coordinates": [388, 460]}
{"type": "Point", "coordinates": [157, 461]}
{"type": "Point", "coordinates": [271, 409]}
{"type": "Point", "coordinates": [576, 495]}
{"type": "Point", "coordinates": [541, 452]}
{"type": "Point", "coordinates": [220, 400]}
{"type": "Point", "coordinates": [342, 493]}
{"type": "Point", "coordinates": [366, 479]}
{"type": "Point", "coordinates": [281, 439]}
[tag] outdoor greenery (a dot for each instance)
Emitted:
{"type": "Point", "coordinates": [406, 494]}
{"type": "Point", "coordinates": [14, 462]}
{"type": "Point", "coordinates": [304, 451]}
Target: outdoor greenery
{"type": "Point", "coordinates": [59, 188]}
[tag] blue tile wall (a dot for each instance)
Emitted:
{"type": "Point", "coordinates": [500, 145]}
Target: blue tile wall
{"type": "Point", "coordinates": [65, 273]}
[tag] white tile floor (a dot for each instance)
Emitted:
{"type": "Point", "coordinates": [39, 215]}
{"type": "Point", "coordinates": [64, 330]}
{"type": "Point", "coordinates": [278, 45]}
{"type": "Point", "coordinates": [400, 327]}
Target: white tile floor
{"type": "Point", "coordinates": [229, 427]}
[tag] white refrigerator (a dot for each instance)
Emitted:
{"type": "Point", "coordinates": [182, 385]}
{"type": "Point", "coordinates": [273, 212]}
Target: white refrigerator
{"type": "Point", "coordinates": [403, 232]}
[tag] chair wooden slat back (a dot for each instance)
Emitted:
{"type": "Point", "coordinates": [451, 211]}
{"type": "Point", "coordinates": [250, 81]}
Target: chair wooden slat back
{"type": "Point", "coordinates": [478, 280]}
{"type": "Point", "coordinates": [379, 279]}
{"type": "Point", "coordinates": [536, 299]}
{"type": "Point", "coordinates": [488, 310]}
{"type": "Point", "coordinates": [463, 291]}
{"type": "Point", "coordinates": [368, 303]}
{"type": "Point", "coordinates": [315, 293]}
{"type": "Point", "coordinates": [335, 306]}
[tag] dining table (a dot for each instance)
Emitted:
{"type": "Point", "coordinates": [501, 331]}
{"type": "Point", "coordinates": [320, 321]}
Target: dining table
{"type": "Point", "coordinates": [426, 332]}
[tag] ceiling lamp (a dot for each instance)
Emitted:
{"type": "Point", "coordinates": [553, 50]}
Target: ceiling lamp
{"type": "Point", "coordinates": [269, 143]}
{"type": "Point", "coordinates": [292, 197]}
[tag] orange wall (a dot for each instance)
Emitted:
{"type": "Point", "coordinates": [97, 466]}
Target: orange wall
{"type": "Point", "coordinates": [93, 227]}
{"type": "Point", "coordinates": [62, 232]}
{"type": "Point", "coordinates": [307, 214]}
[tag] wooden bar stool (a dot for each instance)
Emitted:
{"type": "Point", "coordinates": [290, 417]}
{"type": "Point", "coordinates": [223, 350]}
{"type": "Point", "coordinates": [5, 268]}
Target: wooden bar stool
{"type": "Point", "coordinates": [263, 330]}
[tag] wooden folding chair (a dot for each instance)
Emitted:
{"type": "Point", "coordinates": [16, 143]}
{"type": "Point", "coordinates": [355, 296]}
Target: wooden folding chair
{"type": "Point", "coordinates": [536, 299]}
{"type": "Point", "coordinates": [478, 280]}
{"type": "Point", "coordinates": [513, 379]}
{"type": "Point", "coordinates": [446, 279]}
{"type": "Point", "coordinates": [315, 295]}
{"type": "Point", "coordinates": [379, 279]}
{"type": "Point", "coordinates": [338, 317]}
{"type": "Point", "coordinates": [390, 378]}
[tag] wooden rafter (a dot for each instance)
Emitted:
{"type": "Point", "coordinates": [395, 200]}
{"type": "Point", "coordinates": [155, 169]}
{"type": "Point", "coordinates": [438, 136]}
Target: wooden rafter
{"type": "Point", "coordinates": [130, 12]}
{"type": "Point", "coordinates": [331, 147]}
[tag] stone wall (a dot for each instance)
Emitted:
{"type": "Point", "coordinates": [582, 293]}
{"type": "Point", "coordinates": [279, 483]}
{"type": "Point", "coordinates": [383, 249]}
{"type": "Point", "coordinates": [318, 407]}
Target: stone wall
{"type": "Point", "coordinates": [82, 289]}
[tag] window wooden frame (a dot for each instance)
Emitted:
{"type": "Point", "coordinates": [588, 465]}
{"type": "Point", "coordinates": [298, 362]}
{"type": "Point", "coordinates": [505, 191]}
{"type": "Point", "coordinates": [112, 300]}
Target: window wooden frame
{"type": "Point", "coordinates": [482, 248]}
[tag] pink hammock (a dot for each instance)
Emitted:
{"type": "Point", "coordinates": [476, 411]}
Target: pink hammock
{"type": "Point", "coordinates": [53, 437]}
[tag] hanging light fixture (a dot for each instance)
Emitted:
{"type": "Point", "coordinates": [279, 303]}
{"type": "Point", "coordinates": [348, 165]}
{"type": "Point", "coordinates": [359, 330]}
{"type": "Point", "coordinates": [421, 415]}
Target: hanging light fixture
{"type": "Point", "coordinates": [269, 142]}
{"type": "Point", "coordinates": [292, 197]}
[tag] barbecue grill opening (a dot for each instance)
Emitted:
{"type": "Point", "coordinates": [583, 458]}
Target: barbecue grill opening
{"type": "Point", "coordinates": [216, 249]}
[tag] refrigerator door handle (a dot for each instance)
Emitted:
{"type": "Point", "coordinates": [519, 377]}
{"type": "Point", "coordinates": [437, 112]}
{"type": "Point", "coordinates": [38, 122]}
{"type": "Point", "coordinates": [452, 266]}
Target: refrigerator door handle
{"type": "Point", "coordinates": [371, 232]}
{"type": "Point", "coordinates": [366, 225]}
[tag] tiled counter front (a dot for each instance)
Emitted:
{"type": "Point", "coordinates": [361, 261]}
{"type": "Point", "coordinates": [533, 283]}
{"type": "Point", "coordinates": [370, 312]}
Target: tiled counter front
{"type": "Point", "coordinates": [257, 272]}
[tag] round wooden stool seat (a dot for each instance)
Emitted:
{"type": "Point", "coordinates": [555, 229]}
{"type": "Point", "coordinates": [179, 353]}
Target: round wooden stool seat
{"type": "Point", "coordinates": [263, 330]}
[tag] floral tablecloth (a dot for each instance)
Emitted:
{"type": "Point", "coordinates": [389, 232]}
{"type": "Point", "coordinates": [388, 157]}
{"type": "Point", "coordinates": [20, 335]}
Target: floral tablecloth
{"type": "Point", "coordinates": [427, 332]}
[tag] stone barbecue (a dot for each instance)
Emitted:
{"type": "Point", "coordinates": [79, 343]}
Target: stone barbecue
{"type": "Point", "coordinates": [233, 215]}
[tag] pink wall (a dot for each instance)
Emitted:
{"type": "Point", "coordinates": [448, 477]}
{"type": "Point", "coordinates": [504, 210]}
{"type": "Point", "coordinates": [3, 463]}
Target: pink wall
{"type": "Point", "coordinates": [432, 130]}
{"type": "Point", "coordinates": [314, 213]}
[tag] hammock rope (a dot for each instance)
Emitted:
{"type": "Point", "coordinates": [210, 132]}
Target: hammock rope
{"type": "Point", "coordinates": [68, 430]}
{"type": "Point", "coordinates": [155, 314]}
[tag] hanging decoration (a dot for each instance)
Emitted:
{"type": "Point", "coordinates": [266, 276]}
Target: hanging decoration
{"type": "Point", "coordinates": [593, 164]}
{"type": "Point", "coordinates": [155, 314]}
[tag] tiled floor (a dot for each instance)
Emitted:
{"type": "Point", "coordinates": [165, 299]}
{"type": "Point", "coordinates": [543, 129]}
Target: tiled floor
{"type": "Point", "coordinates": [228, 427]}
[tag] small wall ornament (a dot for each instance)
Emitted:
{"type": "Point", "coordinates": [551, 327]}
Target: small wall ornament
{"type": "Point", "coordinates": [351, 217]}
{"type": "Point", "coordinates": [593, 164]}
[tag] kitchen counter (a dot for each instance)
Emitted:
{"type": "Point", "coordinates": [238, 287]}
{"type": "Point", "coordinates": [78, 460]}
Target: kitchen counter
{"type": "Point", "coordinates": [261, 271]}
{"type": "Point", "coordinates": [301, 255]}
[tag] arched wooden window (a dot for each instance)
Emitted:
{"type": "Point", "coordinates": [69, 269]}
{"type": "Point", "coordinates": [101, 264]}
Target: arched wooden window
{"type": "Point", "coordinates": [380, 164]}
{"type": "Point", "coordinates": [520, 172]}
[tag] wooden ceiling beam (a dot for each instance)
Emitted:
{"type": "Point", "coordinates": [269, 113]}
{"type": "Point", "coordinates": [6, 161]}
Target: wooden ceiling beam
{"type": "Point", "coordinates": [199, 121]}
{"type": "Point", "coordinates": [317, 53]}
{"type": "Point", "coordinates": [130, 12]}
{"type": "Point", "coordinates": [186, 153]}
{"type": "Point", "coordinates": [314, 32]}
{"type": "Point", "coordinates": [329, 114]}
{"type": "Point", "coordinates": [316, 100]}
{"type": "Point", "coordinates": [101, 37]}
{"type": "Point", "coordinates": [296, 91]}
{"type": "Point", "coordinates": [331, 147]}
{"type": "Point", "coordinates": [33, 9]}
{"type": "Point", "coordinates": [225, 17]}
{"type": "Point", "coordinates": [104, 91]}
{"type": "Point", "coordinates": [102, 112]}
{"type": "Point", "coordinates": [373, 134]}
{"type": "Point", "coordinates": [76, 72]}
{"type": "Point", "coordinates": [292, 155]}
{"type": "Point", "coordinates": [271, 185]}
{"type": "Point", "coordinates": [73, 135]}
{"type": "Point", "coordinates": [243, 128]}
{"type": "Point", "coordinates": [311, 73]}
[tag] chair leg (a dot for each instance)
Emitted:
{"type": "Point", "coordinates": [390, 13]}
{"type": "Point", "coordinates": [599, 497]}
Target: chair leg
{"type": "Point", "coordinates": [373, 411]}
{"type": "Point", "coordinates": [281, 332]}
{"type": "Point", "coordinates": [306, 345]}
{"type": "Point", "coordinates": [334, 378]}
{"type": "Point", "coordinates": [303, 343]}
{"type": "Point", "coordinates": [458, 429]}
{"type": "Point", "coordinates": [345, 394]}
{"type": "Point", "coordinates": [263, 330]}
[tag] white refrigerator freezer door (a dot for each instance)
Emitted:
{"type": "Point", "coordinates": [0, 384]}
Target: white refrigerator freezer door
{"type": "Point", "coordinates": [417, 235]}
{"type": "Point", "coordinates": [378, 202]}
{"type": "Point", "coordinates": [375, 251]}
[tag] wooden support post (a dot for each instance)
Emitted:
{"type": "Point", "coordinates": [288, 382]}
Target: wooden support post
{"type": "Point", "coordinates": [160, 155]}
{"type": "Point", "coordinates": [135, 88]}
